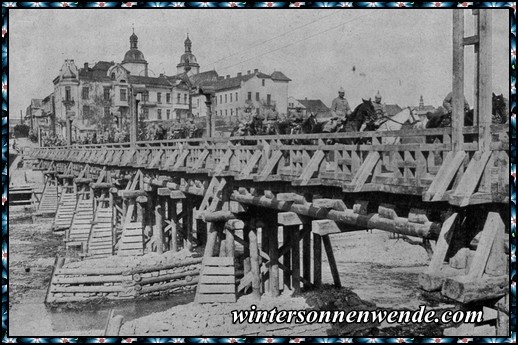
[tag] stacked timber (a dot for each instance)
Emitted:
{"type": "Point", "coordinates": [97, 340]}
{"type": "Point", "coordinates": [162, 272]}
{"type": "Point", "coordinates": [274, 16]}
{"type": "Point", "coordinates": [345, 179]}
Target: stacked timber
{"type": "Point", "coordinates": [65, 212]}
{"type": "Point", "coordinates": [100, 243]}
{"type": "Point", "coordinates": [131, 242]}
{"type": "Point", "coordinates": [80, 229]}
{"type": "Point", "coordinates": [49, 200]}
{"type": "Point", "coordinates": [100, 280]}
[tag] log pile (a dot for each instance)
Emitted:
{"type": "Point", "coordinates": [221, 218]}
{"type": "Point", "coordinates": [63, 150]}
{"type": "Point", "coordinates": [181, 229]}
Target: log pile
{"type": "Point", "coordinates": [84, 284]}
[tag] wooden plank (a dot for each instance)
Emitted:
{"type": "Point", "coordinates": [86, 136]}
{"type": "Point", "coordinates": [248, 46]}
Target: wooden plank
{"type": "Point", "coordinates": [443, 243]}
{"type": "Point", "coordinates": [289, 218]}
{"type": "Point", "coordinates": [364, 172]}
{"type": "Point", "coordinates": [324, 227]}
{"type": "Point", "coordinates": [216, 298]}
{"type": "Point", "coordinates": [445, 179]}
{"type": "Point", "coordinates": [310, 168]}
{"type": "Point", "coordinates": [216, 288]}
{"type": "Point", "coordinates": [219, 271]}
{"type": "Point", "coordinates": [217, 279]}
{"type": "Point", "coordinates": [216, 261]}
{"type": "Point", "coordinates": [254, 263]}
{"type": "Point", "coordinates": [485, 79]}
{"type": "Point", "coordinates": [466, 290]}
{"type": "Point", "coordinates": [251, 164]}
{"type": "Point", "coordinates": [493, 225]}
{"type": "Point", "coordinates": [458, 80]}
{"type": "Point", "coordinates": [470, 179]}
{"type": "Point", "coordinates": [269, 166]}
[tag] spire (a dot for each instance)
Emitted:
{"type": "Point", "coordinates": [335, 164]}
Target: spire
{"type": "Point", "coordinates": [133, 39]}
{"type": "Point", "coordinates": [188, 44]}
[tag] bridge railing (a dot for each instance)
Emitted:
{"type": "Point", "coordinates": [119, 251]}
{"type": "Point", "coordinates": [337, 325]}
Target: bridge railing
{"type": "Point", "coordinates": [407, 160]}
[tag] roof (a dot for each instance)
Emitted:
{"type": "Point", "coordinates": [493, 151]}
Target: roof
{"type": "Point", "coordinates": [204, 78]}
{"type": "Point", "coordinates": [314, 105]}
{"type": "Point", "coordinates": [279, 76]}
{"type": "Point", "coordinates": [151, 81]}
{"type": "Point", "coordinates": [97, 73]}
{"type": "Point", "coordinates": [134, 56]}
{"type": "Point", "coordinates": [392, 109]}
{"type": "Point", "coordinates": [235, 82]}
{"type": "Point", "coordinates": [36, 103]}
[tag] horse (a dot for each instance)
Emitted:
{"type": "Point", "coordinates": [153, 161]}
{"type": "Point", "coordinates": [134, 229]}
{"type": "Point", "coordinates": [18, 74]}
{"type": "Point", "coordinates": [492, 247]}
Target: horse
{"type": "Point", "coordinates": [498, 111]}
{"type": "Point", "coordinates": [362, 117]}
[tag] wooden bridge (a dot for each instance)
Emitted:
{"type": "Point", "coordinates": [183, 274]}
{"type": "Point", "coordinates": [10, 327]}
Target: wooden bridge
{"type": "Point", "coordinates": [279, 198]}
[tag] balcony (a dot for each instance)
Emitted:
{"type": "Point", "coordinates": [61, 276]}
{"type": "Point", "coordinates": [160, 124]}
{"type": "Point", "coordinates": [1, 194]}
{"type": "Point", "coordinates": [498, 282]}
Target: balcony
{"type": "Point", "coordinates": [69, 102]}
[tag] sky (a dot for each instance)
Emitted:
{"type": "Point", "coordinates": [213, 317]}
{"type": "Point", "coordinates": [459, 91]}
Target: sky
{"type": "Point", "coordinates": [402, 53]}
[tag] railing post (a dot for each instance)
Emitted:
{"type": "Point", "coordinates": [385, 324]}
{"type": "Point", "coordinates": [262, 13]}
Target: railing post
{"type": "Point", "coordinates": [457, 117]}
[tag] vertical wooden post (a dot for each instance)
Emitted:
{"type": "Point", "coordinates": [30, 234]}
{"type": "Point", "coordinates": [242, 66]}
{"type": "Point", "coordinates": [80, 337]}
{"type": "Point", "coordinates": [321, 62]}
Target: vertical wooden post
{"type": "Point", "coordinates": [295, 259]}
{"type": "Point", "coordinates": [173, 217]}
{"type": "Point", "coordinates": [485, 85]}
{"type": "Point", "coordinates": [306, 252]}
{"type": "Point", "coordinates": [317, 260]}
{"type": "Point", "coordinates": [231, 247]}
{"type": "Point", "coordinates": [332, 261]}
{"type": "Point", "coordinates": [476, 105]}
{"type": "Point", "coordinates": [222, 245]}
{"type": "Point", "coordinates": [211, 240]}
{"type": "Point", "coordinates": [158, 232]}
{"type": "Point", "coordinates": [187, 221]}
{"type": "Point", "coordinates": [287, 257]}
{"type": "Point", "coordinates": [458, 80]}
{"type": "Point", "coordinates": [254, 263]}
{"type": "Point", "coordinates": [274, 257]}
{"type": "Point", "coordinates": [265, 282]}
{"type": "Point", "coordinates": [246, 249]}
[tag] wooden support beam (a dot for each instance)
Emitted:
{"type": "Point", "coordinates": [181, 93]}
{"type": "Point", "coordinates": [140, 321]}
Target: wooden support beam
{"type": "Point", "coordinates": [466, 290]}
{"type": "Point", "coordinates": [325, 227]}
{"type": "Point", "coordinates": [317, 260]}
{"type": "Point", "coordinates": [163, 191]}
{"type": "Point", "coordinates": [444, 177]}
{"type": "Point", "coordinates": [363, 173]}
{"type": "Point", "coordinates": [331, 259]}
{"type": "Point", "coordinates": [371, 221]}
{"type": "Point", "coordinates": [458, 81]}
{"type": "Point", "coordinates": [273, 247]}
{"type": "Point", "coordinates": [334, 204]}
{"type": "Point", "coordinates": [286, 240]}
{"type": "Point", "coordinates": [295, 258]}
{"type": "Point", "coordinates": [306, 254]}
{"type": "Point", "coordinates": [131, 194]}
{"type": "Point", "coordinates": [158, 232]}
{"type": "Point", "coordinates": [254, 263]}
{"type": "Point", "coordinates": [217, 216]}
{"type": "Point", "coordinates": [310, 168]}
{"type": "Point", "coordinates": [470, 179]}
{"type": "Point", "coordinates": [485, 80]}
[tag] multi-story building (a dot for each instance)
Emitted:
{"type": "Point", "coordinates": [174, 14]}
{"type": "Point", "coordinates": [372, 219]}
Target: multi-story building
{"type": "Point", "coordinates": [97, 97]}
{"type": "Point", "coordinates": [251, 93]}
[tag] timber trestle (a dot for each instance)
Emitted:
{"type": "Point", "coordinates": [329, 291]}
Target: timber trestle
{"type": "Point", "coordinates": [280, 199]}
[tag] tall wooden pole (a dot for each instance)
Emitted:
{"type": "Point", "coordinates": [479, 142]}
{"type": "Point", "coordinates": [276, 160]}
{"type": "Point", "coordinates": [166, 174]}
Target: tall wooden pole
{"type": "Point", "coordinates": [274, 256]}
{"type": "Point", "coordinates": [458, 80]}
{"type": "Point", "coordinates": [254, 263]}
{"type": "Point", "coordinates": [158, 233]}
{"type": "Point", "coordinates": [485, 81]}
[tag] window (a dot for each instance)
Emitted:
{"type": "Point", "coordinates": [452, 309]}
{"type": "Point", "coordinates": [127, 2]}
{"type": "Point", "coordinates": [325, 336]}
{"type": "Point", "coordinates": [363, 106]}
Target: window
{"type": "Point", "coordinates": [263, 81]}
{"type": "Point", "coordinates": [168, 114]}
{"type": "Point", "coordinates": [145, 113]}
{"type": "Point", "coordinates": [86, 111]}
{"type": "Point", "coordinates": [220, 99]}
{"type": "Point", "coordinates": [226, 114]}
{"type": "Point", "coordinates": [159, 97]}
{"type": "Point", "coordinates": [185, 99]}
{"type": "Point", "coordinates": [230, 98]}
{"type": "Point", "coordinates": [85, 92]}
{"type": "Point", "coordinates": [236, 96]}
{"type": "Point", "coordinates": [226, 98]}
{"type": "Point", "coordinates": [159, 114]}
{"type": "Point", "coordinates": [268, 99]}
{"type": "Point", "coordinates": [178, 98]}
{"type": "Point", "coordinates": [68, 93]}
{"type": "Point", "coordinates": [123, 95]}
{"type": "Point", "coordinates": [249, 96]}
{"type": "Point", "coordinates": [106, 93]}
{"type": "Point", "coordinates": [168, 97]}
{"type": "Point", "coordinates": [106, 111]}
{"type": "Point", "coordinates": [113, 76]}
{"type": "Point", "coordinates": [257, 96]}
{"type": "Point", "coordinates": [146, 96]}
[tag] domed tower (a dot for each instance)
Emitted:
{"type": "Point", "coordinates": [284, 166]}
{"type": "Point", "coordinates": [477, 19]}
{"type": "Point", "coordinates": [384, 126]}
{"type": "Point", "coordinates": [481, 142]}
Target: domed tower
{"type": "Point", "coordinates": [134, 60]}
{"type": "Point", "coordinates": [188, 62]}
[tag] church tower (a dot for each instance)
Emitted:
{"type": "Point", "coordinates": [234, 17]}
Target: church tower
{"type": "Point", "coordinates": [134, 60]}
{"type": "Point", "coordinates": [188, 62]}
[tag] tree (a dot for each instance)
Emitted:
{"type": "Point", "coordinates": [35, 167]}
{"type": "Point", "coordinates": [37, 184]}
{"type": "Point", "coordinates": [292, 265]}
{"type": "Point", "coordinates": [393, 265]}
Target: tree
{"type": "Point", "coordinates": [21, 131]}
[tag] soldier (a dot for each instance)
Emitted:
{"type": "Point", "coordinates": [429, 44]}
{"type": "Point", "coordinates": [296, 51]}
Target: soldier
{"type": "Point", "coordinates": [380, 108]}
{"type": "Point", "coordinates": [448, 105]}
{"type": "Point", "coordinates": [340, 106]}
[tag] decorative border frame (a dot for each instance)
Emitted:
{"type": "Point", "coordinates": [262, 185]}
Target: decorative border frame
{"type": "Point", "coordinates": [5, 146]}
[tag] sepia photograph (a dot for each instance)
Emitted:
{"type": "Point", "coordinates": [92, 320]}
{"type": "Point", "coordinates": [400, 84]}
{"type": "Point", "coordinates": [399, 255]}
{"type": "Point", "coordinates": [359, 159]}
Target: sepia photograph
{"type": "Point", "coordinates": [255, 172]}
